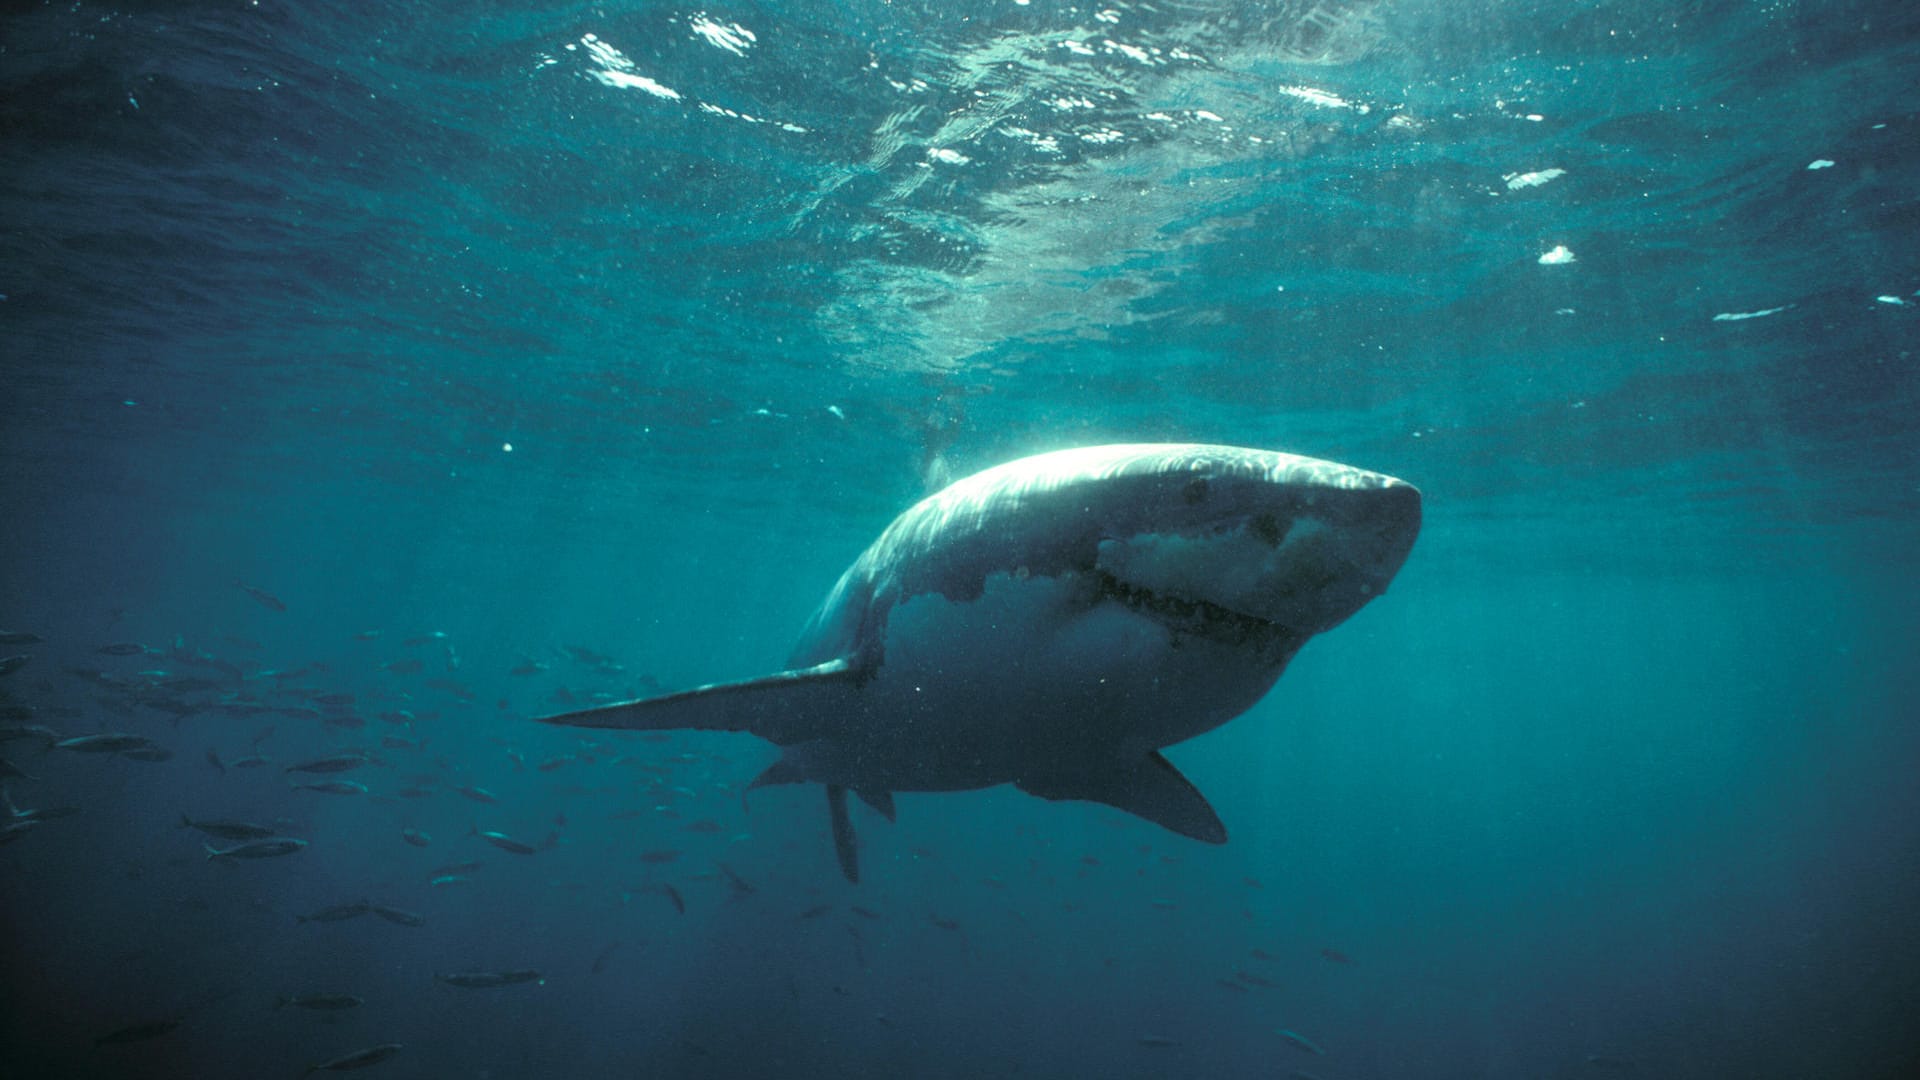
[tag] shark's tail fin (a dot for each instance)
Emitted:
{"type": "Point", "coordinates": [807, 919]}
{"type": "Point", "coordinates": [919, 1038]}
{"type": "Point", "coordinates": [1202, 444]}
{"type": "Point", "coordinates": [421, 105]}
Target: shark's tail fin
{"type": "Point", "coordinates": [784, 706]}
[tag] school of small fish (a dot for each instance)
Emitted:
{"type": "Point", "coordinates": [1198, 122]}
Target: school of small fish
{"type": "Point", "coordinates": [254, 714]}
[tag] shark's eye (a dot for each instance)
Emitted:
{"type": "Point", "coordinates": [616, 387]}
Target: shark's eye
{"type": "Point", "coordinates": [1195, 492]}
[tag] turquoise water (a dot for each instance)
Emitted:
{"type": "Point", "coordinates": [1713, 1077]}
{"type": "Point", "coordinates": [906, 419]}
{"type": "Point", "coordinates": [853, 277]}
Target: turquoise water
{"type": "Point", "coordinates": [625, 329]}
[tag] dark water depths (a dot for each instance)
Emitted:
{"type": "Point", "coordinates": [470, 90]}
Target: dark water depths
{"type": "Point", "coordinates": [624, 328]}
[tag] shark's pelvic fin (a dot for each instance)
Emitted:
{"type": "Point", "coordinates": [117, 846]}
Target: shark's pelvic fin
{"type": "Point", "coordinates": [881, 801]}
{"type": "Point", "coordinates": [798, 766]}
{"type": "Point", "coordinates": [843, 841]}
{"type": "Point", "coordinates": [782, 702]}
{"type": "Point", "coordinates": [1148, 786]}
{"type": "Point", "coordinates": [784, 771]}
{"type": "Point", "coordinates": [802, 762]}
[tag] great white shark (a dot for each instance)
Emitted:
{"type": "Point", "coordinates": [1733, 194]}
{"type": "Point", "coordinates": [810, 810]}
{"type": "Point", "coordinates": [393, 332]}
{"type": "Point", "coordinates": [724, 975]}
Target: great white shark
{"type": "Point", "coordinates": [1054, 622]}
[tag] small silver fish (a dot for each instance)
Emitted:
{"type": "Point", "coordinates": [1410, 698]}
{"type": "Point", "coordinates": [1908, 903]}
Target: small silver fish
{"type": "Point", "coordinates": [359, 1059]}
{"type": "Point", "coordinates": [483, 980]}
{"type": "Point", "coordinates": [266, 599]}
{"type": "Point", "coordinates": [337, 913]}
{"type": "Point", "coordinates": [228, 830]}
{"type": "Point", "coordinates": [14, 830]}
{"type": "Point", "coordinates": [600, 961]}
{"type": "Point", "coordinates": [257, 849]}
{"type": "Point", "coordinates": [29, 731]}
{"type": "Point", "coordinates": [735, 881]}
{"type": "Point", "coordinates": [319, 1001]}
{"type": "Point", "coordinates": [125, 648]}
{"type": "Point", "coordinates": [107, 742]}
{"type": "Point", "coordinates": [334, 787]}
{"type": "Point", "coordinates": [41, 814]}
{"type": "Point", "coordinates": [334, 764]}
{"type": "Point", "coordinates": [137, 1032]}
{"type": "Point", "coordinates": [504, 842]}
{"type": "Point", "coordinates": [396, 915]}
{"type": "Point", "coordinates": [1301, 1041]}
{"type": "Point", "coordinates": [454, 687]}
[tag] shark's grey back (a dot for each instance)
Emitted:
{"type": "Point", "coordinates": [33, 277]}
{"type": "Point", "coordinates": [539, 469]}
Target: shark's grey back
{"type": "Point", "coordinates": [1044, 515]}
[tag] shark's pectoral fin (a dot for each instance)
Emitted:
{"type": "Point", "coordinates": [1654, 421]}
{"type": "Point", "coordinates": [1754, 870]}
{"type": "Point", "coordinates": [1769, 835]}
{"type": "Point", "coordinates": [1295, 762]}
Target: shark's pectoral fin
{"type": "Point", "coordinates": [881, 801]}
{"type": "Point", "coordinates": [1149, 787]}
{"type": "Point", "coordinates": [773, 706]}
{"type": "Point", "coordinates": [843, 841]}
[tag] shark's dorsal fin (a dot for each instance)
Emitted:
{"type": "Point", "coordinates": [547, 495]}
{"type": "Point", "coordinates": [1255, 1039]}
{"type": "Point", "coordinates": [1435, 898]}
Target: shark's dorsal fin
{"type": "Point", "coordinates": [1147, 786]}
{"type": "Point", "coordinates": [779, 707]}
{"type": "Point", "coordinates": [843, 841]}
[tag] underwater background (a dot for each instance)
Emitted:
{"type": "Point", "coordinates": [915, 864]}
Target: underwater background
{"type": "Point", "coordinates": [378, 377]}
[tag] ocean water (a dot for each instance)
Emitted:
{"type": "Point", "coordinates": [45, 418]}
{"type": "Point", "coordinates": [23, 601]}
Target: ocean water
{"type": "Point", "coordinates": [386, 376]}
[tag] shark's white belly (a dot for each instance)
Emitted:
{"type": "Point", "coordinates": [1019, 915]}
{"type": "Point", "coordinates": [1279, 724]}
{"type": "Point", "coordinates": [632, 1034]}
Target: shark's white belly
{"type": "Point", "coordinates": [1037, 673]}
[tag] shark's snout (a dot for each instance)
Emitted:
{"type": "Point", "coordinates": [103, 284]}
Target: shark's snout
{"type": "Point", "coordinates": [1306, 562]}
{"type": "Point", "coordinates": [1343, 550]}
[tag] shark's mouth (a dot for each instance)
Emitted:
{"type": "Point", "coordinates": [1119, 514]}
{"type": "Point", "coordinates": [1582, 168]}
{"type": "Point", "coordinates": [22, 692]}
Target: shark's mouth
{"type": "Point", "coordinates": [1186, 616]}
{"type": "Point", "coordinates": [1306, 575]}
